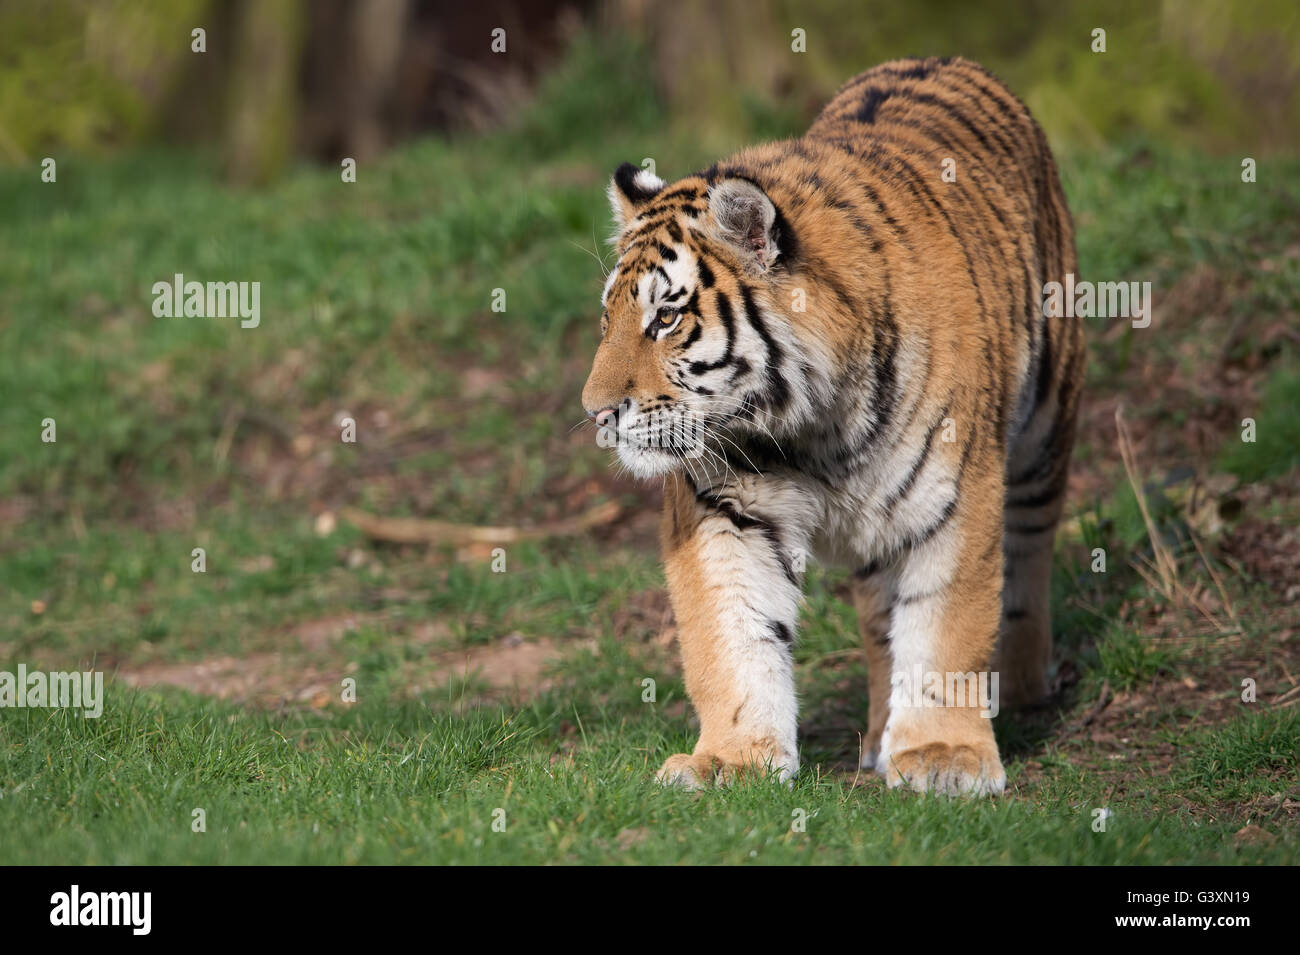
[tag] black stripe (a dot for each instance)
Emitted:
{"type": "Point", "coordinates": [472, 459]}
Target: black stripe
{"type": "Point", "coordinates": [728, 322]}
{"type": "Point", "coordinates": [1028, 530]}
{"type": "Point", "coordinates": [869, 571]}
{"type": "Point", "coordinates": [706, 273]}
{"type": "Point", "coordinates": [743, 522]}
{"type": "Point", "coordinates": [778, 390]}
{"type": "Point", "coordinates": [690, 192]}
{"type": "Point", "coordinates": [1003, 123]}
{"type": "Point", "coordinates": [918, 539]}
{"type": "Point", "coordinates": [1047, 495]}
{"type": "Point", "coordinates": [885, 389]}
{"type": "Point", "coordinates": [866, 113]}
{"type": "Point", "coordinates": [991, 240]}
{"type": "Point", "coordinates": [1044, 382]}
{"type": "Point", "coordinates": [693, 337]}
{"type": "Point", "coordinates": [895, 496]}
{"type": "Point", "coordinates": [922, 191]}
{"type": "Point", "coordinates": [920, 71]}
{"type": "Point", "coordinates": [897, 228]}
{"type": "Point", "coordinates": [650, 221]}
{"type": "Point", "coordinates": [909, 599]}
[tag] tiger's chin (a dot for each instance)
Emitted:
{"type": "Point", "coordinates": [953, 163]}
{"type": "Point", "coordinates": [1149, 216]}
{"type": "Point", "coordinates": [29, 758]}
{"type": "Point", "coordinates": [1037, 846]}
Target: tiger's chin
{"type": "Point", "coordinates": [646, 463]}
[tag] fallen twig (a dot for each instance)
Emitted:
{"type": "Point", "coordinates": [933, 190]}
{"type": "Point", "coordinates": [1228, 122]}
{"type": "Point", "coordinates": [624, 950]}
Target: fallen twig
{"type": "Point", "coordinates": [414, 530]}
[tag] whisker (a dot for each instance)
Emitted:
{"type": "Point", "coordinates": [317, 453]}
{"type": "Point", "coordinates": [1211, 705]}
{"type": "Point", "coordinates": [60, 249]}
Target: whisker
{"type": "Point", "coordinates": [727, 472]}
{"type": "Point", "coordinates": [730, 416]}
{"type": "Point", "coordinates": [599, 261]}
{"type": "Point", "coordinates": [713, 433]}
{"type": "Point", "coordinates": [744, 403]}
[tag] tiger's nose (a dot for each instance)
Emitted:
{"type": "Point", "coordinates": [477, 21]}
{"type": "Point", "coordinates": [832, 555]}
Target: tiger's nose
{"type": "Point", "coordinates": [604, 418]}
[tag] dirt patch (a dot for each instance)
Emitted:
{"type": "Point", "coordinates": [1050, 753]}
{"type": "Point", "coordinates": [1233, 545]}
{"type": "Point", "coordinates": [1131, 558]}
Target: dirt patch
{"type": "Point", "coordinates": [1269, 551]}
{"type": "Point", "coordinates": [323, 632]}
{"type": "Point", "coordinates": [646, 615]}
{"type": "Point", "coordinates": [512, 667]}
{"type": "Point", "coordinates": [266, 679]}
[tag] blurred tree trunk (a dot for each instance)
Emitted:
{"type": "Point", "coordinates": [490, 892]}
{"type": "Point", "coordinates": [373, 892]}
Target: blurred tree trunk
{"type": "Point", "coordinates": [352, 65]}
{"type": "Point", "coordinates": [704, 52]}
{"type": "Point", "coordinates": [266, 44]}
{"type": "Point", "coordinates": [378, 28]}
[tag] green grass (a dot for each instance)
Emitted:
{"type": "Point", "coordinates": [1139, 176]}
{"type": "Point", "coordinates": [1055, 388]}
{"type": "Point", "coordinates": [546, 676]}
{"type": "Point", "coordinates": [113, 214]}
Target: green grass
{"type": "Point", "coordinates": [1275, 449]}
{"type": "Point", "coordinates": [1258, 752]}
{"type": "Point", "coordinates": [183, 433]}
{"type": "Point", "coordinates": [394, 784]}
{"type": "Point", "coordinates": [1128, 659]}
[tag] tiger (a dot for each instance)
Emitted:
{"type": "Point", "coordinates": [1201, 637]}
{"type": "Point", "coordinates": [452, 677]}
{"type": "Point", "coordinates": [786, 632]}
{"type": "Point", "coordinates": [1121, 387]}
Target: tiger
{"type": "Point", "coordinates": [833, 348]}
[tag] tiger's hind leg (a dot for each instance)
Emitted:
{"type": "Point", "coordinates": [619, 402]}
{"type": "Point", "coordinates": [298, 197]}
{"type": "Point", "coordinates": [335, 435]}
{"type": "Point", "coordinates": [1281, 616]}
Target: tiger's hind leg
{"type": "Point", "coordinates": [1038, 461]}
{"type": "Point", "coordinates": [1034, 500]}
{"type": "Point", "coordinates": [1025, 637]}
{"type": "Point", "coordinates": [873, 597]}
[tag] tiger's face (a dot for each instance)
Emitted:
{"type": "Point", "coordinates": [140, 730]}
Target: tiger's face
{"type": "Point", "coordinates": [690, 343]}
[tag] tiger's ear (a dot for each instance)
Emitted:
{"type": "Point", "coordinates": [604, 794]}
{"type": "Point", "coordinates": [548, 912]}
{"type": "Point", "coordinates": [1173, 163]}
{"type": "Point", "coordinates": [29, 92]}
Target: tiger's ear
{"type": "Point", "coordinates": [631, 188]}
{"type": "Point", "coordinates": [745, 218]}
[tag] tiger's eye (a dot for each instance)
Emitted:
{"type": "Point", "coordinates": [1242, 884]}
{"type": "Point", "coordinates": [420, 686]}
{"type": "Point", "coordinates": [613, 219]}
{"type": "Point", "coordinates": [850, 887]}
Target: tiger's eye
{"type": "Point", "coordinates": [665, 319]}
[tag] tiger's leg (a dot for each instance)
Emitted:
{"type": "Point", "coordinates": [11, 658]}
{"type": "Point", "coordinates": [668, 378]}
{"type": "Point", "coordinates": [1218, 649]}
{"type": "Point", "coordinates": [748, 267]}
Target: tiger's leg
{"type": "Point", "coordinates": [945, 622]}
{"type": "Point", "coordinates": [872, 597]}
{"type": "Point", "coordinates": [1037, 473]}
{"type": "Point", "coordinates": [1025, 641]}
{"type": "Point", "coordinates": [730, 561]}
{"type": "Point", "coordinates": [1038, 464]}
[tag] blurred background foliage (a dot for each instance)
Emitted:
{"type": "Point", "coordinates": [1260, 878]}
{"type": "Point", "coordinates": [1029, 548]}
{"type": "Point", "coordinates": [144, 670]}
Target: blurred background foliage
{"type": "Point", "coordinates": [287, 78]}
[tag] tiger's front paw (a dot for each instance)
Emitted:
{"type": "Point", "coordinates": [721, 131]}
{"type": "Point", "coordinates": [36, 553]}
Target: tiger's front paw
{"type": "Point", "coordinates": [965, 769]}
{"type": "Point", "coordinates": [686, 771]}
{"type": "Point", "coordinates": [702, 769]}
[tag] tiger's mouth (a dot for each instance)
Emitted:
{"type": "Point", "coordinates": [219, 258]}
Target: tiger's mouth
{"type": "Point", "coordinates": [651, 444]}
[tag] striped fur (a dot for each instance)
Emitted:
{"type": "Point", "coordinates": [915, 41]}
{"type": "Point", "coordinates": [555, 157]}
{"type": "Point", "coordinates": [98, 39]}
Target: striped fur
{"type": "Point", "coordinates": [913, 420]}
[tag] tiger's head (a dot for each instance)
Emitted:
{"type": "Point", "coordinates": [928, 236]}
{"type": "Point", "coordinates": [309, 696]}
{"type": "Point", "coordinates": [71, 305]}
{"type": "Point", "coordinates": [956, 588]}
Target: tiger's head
{"type": "Point", "coordinates": [694, 341]}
